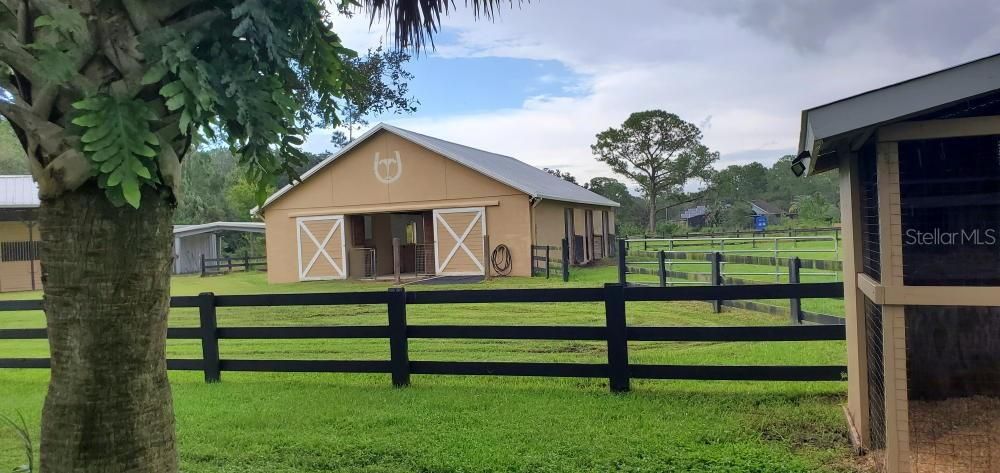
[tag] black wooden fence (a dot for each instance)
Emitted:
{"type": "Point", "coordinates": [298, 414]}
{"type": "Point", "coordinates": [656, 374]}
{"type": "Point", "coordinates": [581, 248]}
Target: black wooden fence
{"type": "Point", "coordinates": [716, 278]}
{"type": "Point", "coordinates": [616, 333]}
{"type": "Point", "coordinates": [546, 260]}
{"type": "Point", "coordinates": [229, 264]}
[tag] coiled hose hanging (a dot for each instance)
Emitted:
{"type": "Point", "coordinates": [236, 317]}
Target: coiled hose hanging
{"type": "Point", "coordinates": [501, 260]}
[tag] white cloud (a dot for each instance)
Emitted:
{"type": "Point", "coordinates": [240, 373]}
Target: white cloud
{"type": "Point", "coordinates": [743, 71]}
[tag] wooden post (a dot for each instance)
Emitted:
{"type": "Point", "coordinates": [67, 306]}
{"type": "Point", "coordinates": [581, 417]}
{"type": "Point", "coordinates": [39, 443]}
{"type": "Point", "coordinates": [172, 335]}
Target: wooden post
{"type": "Point", "coordinates": [399, 356]}
{"type": "Point", "coordinates": [548, 268]}
{"type": "Point", "coordinates": [565, 260]}
{"type": "Point", "coordinates": [486, 256]}
{"type": "Point", "coordinates": [31, 252]}
{"type": "Point", "coordinates": [229, 262]}
{"type": "Point", "coordinates": [395, 259]}
{"type": "Point", "coordinates": [203, 265]}
{"type": "Point", "coordinates": [662, 263]}
{"type": "Point", "coordinates": [617, 332]}
{"type": "Point", "coordinates": [209, 337]}
{"type": "Point", "coordinates": [795, 304]}
{"type": "Point", "coordinates": [246, 261]}
{"type": "Point", "coordinates": [716, 259]}
{"type": "Point", "coordinates": [622, 253]}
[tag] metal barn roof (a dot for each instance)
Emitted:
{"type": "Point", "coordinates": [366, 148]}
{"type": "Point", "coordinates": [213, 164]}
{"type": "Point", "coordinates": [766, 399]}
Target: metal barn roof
{"type": "Point", "coordinates": [189, 230]}
{"type": "Point", "coordinates": [18, 192]}
{"type": "Point", "coordinates": [849, 121]}
{"type": "Point", "coordinates": [517, 174]}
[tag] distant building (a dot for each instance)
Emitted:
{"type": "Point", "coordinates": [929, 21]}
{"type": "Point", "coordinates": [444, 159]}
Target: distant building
{"type": "Point", "coordinates": [763, 208]}
{"type": "Point", "coordinates": [695, 217]}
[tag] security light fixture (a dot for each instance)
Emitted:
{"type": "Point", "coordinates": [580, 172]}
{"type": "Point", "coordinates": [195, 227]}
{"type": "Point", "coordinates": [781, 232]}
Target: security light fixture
{"type": "Point", "coordinates": [799, 163]}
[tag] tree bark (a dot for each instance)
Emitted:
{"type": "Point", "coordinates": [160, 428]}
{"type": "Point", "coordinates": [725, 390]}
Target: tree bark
{"type": "Point", "coordinates": [652, 214]}
{"type": "Point", "coordinates": [106, 276]}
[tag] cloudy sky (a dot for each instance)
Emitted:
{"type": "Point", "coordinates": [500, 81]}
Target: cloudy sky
{"type": "Point", "coordinates": [543, 79]}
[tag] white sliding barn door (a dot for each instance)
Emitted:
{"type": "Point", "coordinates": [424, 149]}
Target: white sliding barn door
{"type": "Point", "coordinates": [458, 241]}
{"type": "Point", "coordinates": [321, 247]}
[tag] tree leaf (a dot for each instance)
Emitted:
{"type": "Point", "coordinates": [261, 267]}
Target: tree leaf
{"type": "Point", "coordinates": [130, 191]}
{"type": "Point", "coordinates": [155, 74]}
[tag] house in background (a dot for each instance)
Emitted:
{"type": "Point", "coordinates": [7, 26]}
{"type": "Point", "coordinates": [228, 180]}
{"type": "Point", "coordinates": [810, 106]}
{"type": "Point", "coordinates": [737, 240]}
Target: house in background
{"type": "Point", "coordinates": [763, 208]}
{"type": "Point", "coordinates": [694, 217]}
{"type": "Point", "coordinates": [19, 266]}
{"type": "Point", "coordinates": [449, 205]}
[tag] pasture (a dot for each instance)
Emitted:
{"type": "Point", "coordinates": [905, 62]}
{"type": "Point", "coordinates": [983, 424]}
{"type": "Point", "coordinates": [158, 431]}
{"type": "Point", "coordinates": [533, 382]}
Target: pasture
{"type": "Point", "coordinates": [261, 422]}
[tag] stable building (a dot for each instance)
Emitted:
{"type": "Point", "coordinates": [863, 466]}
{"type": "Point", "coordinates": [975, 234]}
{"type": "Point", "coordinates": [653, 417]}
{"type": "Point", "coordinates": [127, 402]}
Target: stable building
{"type": "Point", "coordinates": [919, 166]}
{"type": "Point", "coordinates": [20, 269]}
{"type": "Point", "coordinates": [451, 207]}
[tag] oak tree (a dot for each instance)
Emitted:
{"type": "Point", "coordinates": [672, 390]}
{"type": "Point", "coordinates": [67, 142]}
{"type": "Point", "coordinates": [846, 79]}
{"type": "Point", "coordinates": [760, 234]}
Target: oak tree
{"type": "Point", "coordinates": [658, 151]}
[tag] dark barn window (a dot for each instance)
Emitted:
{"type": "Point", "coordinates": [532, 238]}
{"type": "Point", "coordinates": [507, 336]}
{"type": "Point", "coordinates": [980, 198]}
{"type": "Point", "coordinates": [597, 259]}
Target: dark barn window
{"type": "Point", "coordinates": [950, 202]}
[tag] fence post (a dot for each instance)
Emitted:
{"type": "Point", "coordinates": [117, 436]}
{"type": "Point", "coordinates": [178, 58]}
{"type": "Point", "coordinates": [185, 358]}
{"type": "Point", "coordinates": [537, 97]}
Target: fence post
{"type": "Point", "coordinates": [209, 337]}
{"type": "Point", "coordinates": [662, 261]}
{"type": "Point", "coordinates": [548, 267]}
{"type": "Point", "coordinates": [203, 265]}
{"type": "Point", "coordinates": [716, 259]}
{"type": "Point", "coordinates": [486, 257]}
{"type": "Point", "coordinates": [246, 261]}
{"type": "Point", "coordinates": [622, 253]}
{"type": "Point", "coordinates": [229, 261]}
{"type": "Point", "coordinates": [395, 259]}
{"type": "Point", "coordinates": [565, 260]}
{"type": "Point", "coordinates": [399, 355]}
{"type": "Point", "coordinates": [795, 304]}
{"type": "Point", "coordinates": [617, 333]}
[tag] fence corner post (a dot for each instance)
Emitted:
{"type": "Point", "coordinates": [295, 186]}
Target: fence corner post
{"type": "Point", "coordinates": [548, 266]}
{"type": "Point", "coordinates": [209, 337]}
{"type": "Point", "coordinates": [399, 355]}
{"type": "Point", "coordinates": [661, 260]}
{"type": "Point", "coordinates": [795, 304]}
{"type": "Point", "coordinates": [617, 335]}
{"type": "Point", "coordinates": [717, 278]}
{"type": "Point", "coordinates": [565, 260]}
{"type": "Point", "coordinates": [622, 253]}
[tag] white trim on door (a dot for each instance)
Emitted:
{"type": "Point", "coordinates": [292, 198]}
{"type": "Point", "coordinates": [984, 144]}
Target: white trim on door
{"type": "Point", "coordinates": [338, 224]}
{"type": "Point", "coordinates": [480, 217]}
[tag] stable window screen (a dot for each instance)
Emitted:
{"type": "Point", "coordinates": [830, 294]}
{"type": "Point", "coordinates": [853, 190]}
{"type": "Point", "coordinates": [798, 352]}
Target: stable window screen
{"type": "Point", "coordinates": [953, 387]}
{"type": "Point", "coordinates": [870, 253]}
{"type": "Point", "coordinates": [950, 203]}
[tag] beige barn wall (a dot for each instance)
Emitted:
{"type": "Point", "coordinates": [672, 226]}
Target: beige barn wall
{"type": "Point", "coordinates": [428, 181]}
{"type": "Point", "coordinates": [549, 224]}
{"type": "Point", "coordinates": [16, 275]}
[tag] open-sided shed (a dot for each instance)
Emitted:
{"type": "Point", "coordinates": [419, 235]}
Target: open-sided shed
{"type": "Point", "coordinates": [919, 165]}
{"type": "Point", "coordinates": [450, 206]}
{"type": "Point", "coordinates": [192, 242]}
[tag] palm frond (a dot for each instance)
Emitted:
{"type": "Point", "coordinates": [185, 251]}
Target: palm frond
{"type": "Point", "coordinates": [414, 23]}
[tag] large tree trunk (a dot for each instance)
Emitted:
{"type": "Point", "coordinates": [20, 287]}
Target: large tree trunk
{"type": "Point", "coordinates": [651, 226]}
{"type": "Point", "coordinates": [106, 275]}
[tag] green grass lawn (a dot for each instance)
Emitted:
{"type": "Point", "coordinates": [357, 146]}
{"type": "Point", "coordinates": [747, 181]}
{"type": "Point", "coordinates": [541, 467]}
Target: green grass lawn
{"type": "Point", "coordinates": [261, 422]}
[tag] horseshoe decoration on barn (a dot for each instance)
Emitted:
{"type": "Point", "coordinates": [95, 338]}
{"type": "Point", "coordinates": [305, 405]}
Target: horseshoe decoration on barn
{"type": "Point", "coordinates": [388, 170]}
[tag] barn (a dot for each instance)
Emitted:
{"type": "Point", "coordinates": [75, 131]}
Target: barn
{"type": "Point", "coordinates": [919, 170]}
{"type": "Point", "coordinates": [452, 208]}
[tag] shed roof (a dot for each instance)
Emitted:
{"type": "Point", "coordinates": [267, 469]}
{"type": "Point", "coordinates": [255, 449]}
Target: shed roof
{"type": "Point", "coordinates": [517, 174]}
{"type": "Point", "coordinates": [696, 211]}
{"type": "Point", "coordinates": [18, 192]}
{"type": "Point", "coordinates": [181, 231]}
{"type": "Point", "coordinates": [766, 207]}
{"type": "Point", "coordinates": [850, 121]}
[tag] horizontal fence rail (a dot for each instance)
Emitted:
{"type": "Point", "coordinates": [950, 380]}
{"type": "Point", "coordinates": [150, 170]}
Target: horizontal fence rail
{"type": "Point", "coordinates": [616, 333]}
